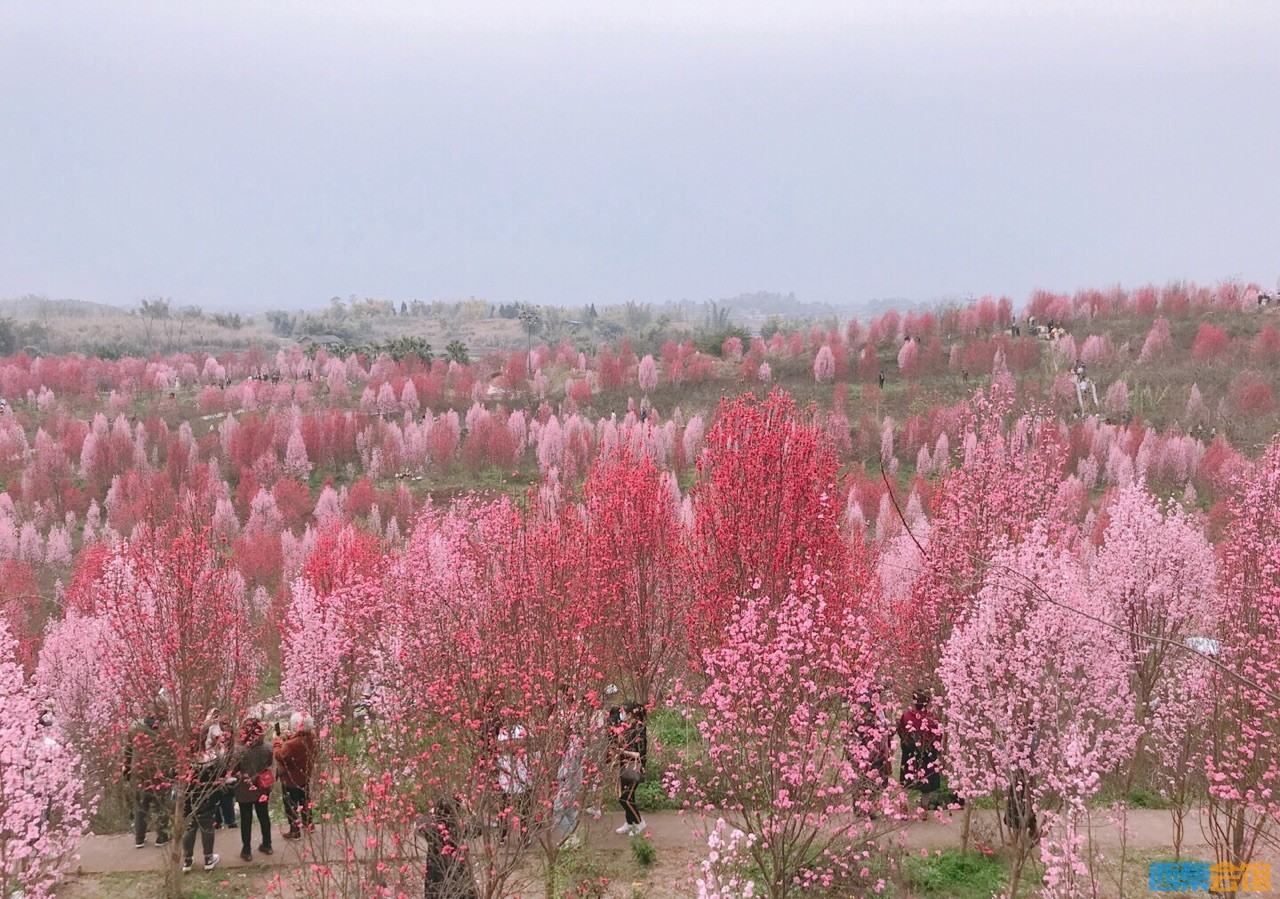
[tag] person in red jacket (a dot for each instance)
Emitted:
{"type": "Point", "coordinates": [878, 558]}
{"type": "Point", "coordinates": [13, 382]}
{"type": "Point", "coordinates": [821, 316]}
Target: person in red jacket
{"type": "Point", "coordinates": [296, 756]}
{"type": "Point", "coordinates": [920, 732]}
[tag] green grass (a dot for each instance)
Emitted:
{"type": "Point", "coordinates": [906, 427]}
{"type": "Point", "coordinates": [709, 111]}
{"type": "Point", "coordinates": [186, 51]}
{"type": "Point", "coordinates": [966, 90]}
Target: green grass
{"type": "Point", "coordinates": [669, 728]}
{"type": "Point", "coordinates": [142, 885]}
{"type": "Point", "coordinates": [643, 852]}
{"type": "Point", "coordinates": [671, 739]}
{"type": "Point", "coordinates": [960, 876]}
{"type": "Point", "coordinates": [580, 873]}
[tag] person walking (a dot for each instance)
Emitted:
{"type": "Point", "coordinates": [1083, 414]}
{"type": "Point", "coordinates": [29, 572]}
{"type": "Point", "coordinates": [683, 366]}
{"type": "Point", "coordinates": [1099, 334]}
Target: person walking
{"type": "Point", "coordinates": [296, 756]}
{"type": "Point", "coordinates": [633, 756]}
{"type": "Point", "coordinates": [149, 768]}
{"type": "Point", "coordinates": [254, 778]}
{"type": "Point", "coordinates": [202, 787]}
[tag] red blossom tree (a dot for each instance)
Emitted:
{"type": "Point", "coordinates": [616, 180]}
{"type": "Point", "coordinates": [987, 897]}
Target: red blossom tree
{"type": "Point", "coordinates": [635, 575]}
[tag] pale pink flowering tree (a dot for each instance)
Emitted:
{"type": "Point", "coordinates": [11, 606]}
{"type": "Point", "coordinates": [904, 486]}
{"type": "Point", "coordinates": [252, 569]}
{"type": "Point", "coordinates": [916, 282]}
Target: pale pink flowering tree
{"type": "Point", "coordinates": [1156, 577]}
{"type": "Point", "coordinates": [334, 614]}
{"type": "Point", "coordinates": [176, 626]}
{"type": "Point", "coordinates": [1155, 573]}
{"type": "Point", "coordinates": [1159, 338]}
{"type": "Point", "coordinates": [909, 359]}
{"type": "Point", "coordinates": [42, 812]}
{"type": "Point", "coordinates": [824, 364]}
{"type": "Point", "coordinates": [648, 374]}
{"type": "Point", "coordinates": [296, 463]}
{"type": "Point", "coordinates": [1243, 762]}
{"type": "Point", "coordinates": [1038, 706]}
{"type": "Point", "coordinates": [788, 753]}
{"type": "Point", "coordinates": [721, 874]}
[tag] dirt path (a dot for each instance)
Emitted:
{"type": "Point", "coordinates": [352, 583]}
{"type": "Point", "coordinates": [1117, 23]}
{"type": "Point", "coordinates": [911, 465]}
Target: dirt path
{"type": "Point", "coordinates": [1150, 830]}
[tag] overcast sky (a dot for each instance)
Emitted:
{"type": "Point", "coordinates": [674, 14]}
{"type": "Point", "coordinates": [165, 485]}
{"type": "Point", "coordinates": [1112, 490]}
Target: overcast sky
{"type": "Point", "coordinates": [261, 154]}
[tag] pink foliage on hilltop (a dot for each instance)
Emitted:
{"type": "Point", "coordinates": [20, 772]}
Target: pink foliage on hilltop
{"type": "Point", "coordinates": [1250, 394]}
{"type": "Point", "coordinates": [1210, 343]}
{"type": "Point", "coordinates": [1038, 706]}
{"type": "Point", "coordinates": [42, 813]}
{"type": "Point", "coordinates": [1116, 401]}
{"type": "Point", "coordinates": [296, 462]}
{"type": "Point", "coordinates": [1159, 338]}
{"type": "Point", "coordinates": [647, 374]}
{"type": "Point", "coordinates": [909, 359]}
{"type": "Point", "coordinates": [824, 364]}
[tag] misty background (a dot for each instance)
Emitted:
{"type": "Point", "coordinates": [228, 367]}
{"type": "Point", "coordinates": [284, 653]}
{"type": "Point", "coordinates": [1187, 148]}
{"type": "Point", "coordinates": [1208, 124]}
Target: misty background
{"type": "Point", "coordinates": [248, 155]}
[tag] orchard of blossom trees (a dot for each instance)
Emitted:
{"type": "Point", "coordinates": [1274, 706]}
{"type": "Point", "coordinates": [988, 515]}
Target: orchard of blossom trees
{"type": "Point", "coordinates": [1092, 603]}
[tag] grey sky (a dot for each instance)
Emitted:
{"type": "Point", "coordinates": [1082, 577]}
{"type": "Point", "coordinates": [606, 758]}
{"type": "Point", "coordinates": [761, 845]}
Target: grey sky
{"type": "Point", "coordinates": [261, 154]}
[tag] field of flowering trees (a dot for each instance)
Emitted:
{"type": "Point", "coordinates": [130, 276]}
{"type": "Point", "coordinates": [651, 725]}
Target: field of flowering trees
{"type": "Point", "coordinates": [457, 569]}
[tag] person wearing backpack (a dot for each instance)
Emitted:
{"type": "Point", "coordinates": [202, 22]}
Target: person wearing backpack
{"type": "Point", "coordinates": [255, 777]}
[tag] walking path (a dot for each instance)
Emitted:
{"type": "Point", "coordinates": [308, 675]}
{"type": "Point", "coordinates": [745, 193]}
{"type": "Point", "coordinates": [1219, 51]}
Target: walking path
{"type": "Point", "coordinates": [1149, 830]}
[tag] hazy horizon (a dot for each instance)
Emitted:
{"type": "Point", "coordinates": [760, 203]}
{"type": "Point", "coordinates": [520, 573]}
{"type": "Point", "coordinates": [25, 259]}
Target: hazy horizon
{"type": "Point", "coordinates": [251, 156]}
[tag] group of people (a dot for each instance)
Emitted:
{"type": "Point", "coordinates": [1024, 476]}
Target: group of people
{"type": "Point", "coordinates": [218, 774]}
{"type": "Point", "coordinates": [448, 872]}
{"type": "Point", "coordinates": [919, 734]}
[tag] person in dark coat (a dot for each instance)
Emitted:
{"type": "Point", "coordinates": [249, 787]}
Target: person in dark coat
{"type": "Point", "coordinates": [201, 787]}
{"type": "Point", "coordinates": [149, 765]}
{"type": "Point", "coordinates": [255, 775]}
{"type": "Point", "coordinates": [448, 874]}
{"type": "Point", "coordinates": [296, 756]}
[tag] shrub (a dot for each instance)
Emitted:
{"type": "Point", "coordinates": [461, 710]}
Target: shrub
{"type": "Point", "coordinates": [643, 852]}
{"type": "Point", "coordinates": [1210, 343]}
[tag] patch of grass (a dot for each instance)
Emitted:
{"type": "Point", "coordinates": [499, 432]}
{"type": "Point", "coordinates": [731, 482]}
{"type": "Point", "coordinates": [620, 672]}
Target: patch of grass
{"type": "Point", "coordinates": [651, 794]}
{"type": "Point", "coordinates": [643, 851]}
{"type": "Point", "coordinates": [1140, 797]}
{"type": "Point", "coordinates": [671, 739]}
{"type": "Point", "coordinates": [961, 876]}
{"type": "Point", "coordinates": [669, 728]}
{"type": "Point", "coordinates": [198, 885]}
{"type": "Point", "coordinates": [580, 873]}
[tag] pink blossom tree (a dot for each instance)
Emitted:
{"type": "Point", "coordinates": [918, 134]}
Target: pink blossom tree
{"type": "Point", "coordinates": [824, 364]}
{"type": "Point", "coordinates": [648, 374]}
{"type": "Point", "coordinates": [1037, 705]}
{"type": "Point", "coordinates": [296, 462]}
{"type": "Point", "coordinates": [177, 638]}
{"type": "Point", "coordinates": [335, 610]}
{"type": "Point", "coordinates": [786, 763]}
{"type": "Point", "coordinates": [1156, 577]}
{"type": "Point", "coordinates": [43, 814]}
{"type": "Point", "coordinates": [1243, 762]}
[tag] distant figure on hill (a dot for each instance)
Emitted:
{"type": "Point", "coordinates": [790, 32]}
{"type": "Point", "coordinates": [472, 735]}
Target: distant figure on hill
{"type": "Point", "coordinates": [882, 380]}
